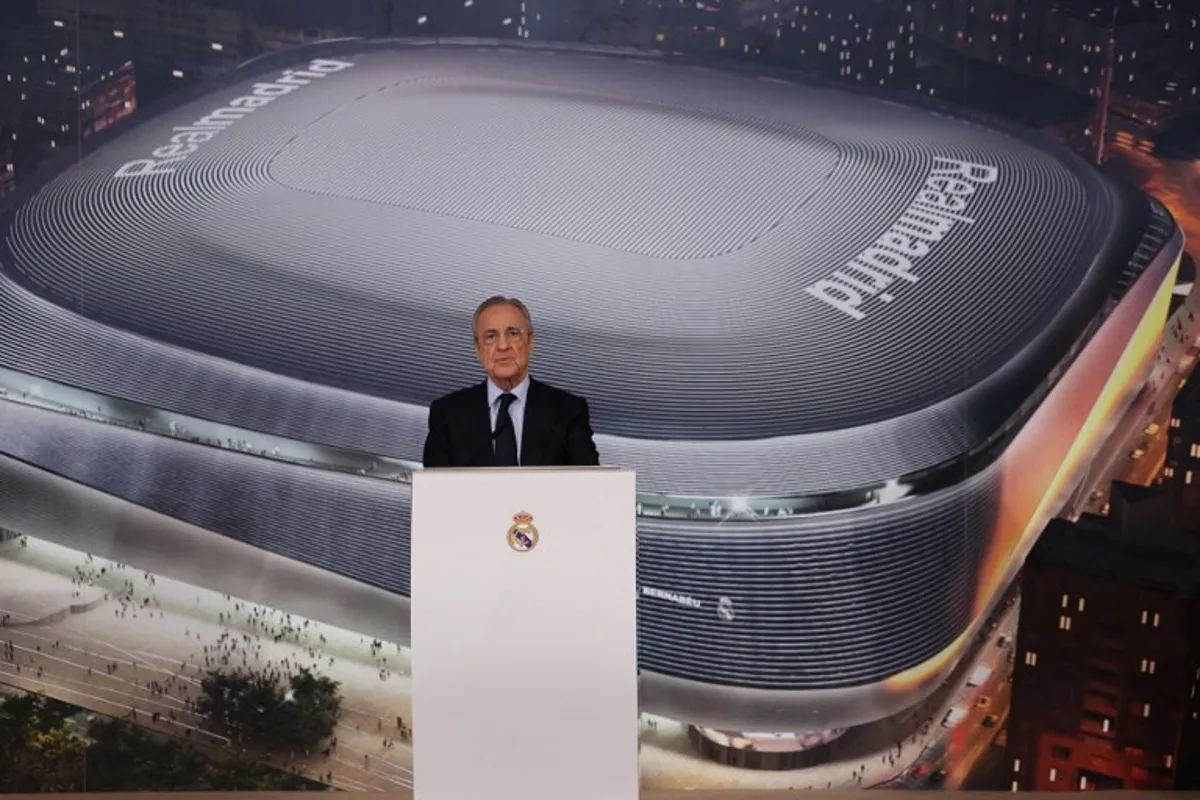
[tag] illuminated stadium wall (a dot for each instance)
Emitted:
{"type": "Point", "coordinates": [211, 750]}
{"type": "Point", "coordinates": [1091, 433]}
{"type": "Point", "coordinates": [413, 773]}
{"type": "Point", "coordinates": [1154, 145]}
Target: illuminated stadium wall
{"type": "Point", "coordinates": [248, 299]}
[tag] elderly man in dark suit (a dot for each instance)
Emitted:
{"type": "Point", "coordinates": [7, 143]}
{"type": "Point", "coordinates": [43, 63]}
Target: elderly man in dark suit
{"type": "Point", "coordinates": [508, 420]}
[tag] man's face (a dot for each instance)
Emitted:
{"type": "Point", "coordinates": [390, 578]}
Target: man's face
{"type": "Point", "coordinates": [503, 343]}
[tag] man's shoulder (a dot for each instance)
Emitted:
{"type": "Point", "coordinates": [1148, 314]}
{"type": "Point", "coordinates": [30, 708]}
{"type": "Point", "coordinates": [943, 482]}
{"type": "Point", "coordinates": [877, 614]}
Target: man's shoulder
{"type": "Point", "coordinates": [559, 397]}
{"type": "Point", "coordinates": [458, 398]}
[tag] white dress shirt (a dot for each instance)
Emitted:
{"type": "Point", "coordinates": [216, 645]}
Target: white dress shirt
{"type": "Point", "coordinates": [516, 410]}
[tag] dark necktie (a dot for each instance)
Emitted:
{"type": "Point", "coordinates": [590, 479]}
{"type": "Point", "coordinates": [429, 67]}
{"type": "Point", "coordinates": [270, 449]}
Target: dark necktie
{"type": "Point", "coordinates": [506, 434]}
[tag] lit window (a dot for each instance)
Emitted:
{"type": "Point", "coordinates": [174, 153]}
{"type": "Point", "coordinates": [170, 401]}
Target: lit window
{"type": "Point", "coordinates": [1168, 760]}
{"type": "Point", "coordinates": [1082, 782]}
{"type": "Point", "coordinates": [1107, 725]}
{"type": "Point", "coordinates": [1030, 658]}
{"type": "Point", "coordinates": [1145, 665]}
{"type": "Point", "coordinates": [1015, 787]}
{"type": "Point", "coordinates": [1065, 601]}
{"type": "Point", "coordinates": [1145, 616]}
{"type": "Point", "coordinates": [1082, 603]}
{"type": "Point", "coordinates": [1016, 765]}
{"type": "Point", "coordinates": [1064, 623]}
{"type": "Point", "coordinates": [1053, 774]}
{"type": "Point", "coordinates": [1152, 665]}
{"type": "Point", "coordinates": [1156, 619]}
{"type": "Point", "coordinates": [218, 46]}
{"type": "Point", "coordinates": [178, 73]}
{"type": "Point", "coordinates": [1146, 710]}
{"type": "Point", "coordinates": [58, 23]}
{"type": "Point", "coordinates": [118, 34]}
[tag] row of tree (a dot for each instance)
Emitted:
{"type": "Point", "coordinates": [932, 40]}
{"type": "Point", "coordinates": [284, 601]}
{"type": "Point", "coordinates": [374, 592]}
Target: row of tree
{"type": "Point", "coordinates": [48, 746]}
{"type": "Point", "coordinates": [260, 711]}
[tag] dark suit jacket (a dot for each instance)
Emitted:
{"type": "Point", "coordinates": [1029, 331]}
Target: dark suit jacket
{"type": "Point", "coordinates": [556, 431]}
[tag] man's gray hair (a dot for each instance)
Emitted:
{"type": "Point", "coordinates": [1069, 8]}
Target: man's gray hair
{"type": "Point", "coordinates": [501, 300]}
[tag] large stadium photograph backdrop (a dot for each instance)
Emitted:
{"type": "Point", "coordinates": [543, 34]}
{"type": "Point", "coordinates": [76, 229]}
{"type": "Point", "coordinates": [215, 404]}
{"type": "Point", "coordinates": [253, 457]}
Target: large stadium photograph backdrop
{"type": "Point", "coordinates": [860, 341]}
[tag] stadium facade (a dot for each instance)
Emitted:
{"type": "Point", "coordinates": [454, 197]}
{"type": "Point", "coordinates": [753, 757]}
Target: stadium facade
{"type": "Point", "coordinates": [858, 351]}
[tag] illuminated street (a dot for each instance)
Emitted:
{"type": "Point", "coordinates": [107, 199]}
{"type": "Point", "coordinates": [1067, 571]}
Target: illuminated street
{"type": "Point", "coordinates": [980, 708]}
{"type": "Point", "coordinates": [1136, 448]}
{"type": "Point", "coordinates": [987, 712]}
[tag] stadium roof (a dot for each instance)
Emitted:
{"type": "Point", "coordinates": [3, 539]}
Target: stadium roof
{"type": "Point", "coordinates": [761, 285]}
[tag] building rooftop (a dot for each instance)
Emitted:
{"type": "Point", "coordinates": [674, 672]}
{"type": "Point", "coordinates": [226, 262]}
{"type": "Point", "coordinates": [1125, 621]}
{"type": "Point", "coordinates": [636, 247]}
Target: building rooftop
{"type": "Point", "coordinates": [1135, 545]}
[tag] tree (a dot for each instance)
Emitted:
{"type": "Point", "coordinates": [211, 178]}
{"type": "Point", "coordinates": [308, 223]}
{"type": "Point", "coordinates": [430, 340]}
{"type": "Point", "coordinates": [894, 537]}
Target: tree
{"type": "Point", "coordinates": [250, 708]}
{"type": "Point", "coordinates": [38, 754]}
{"type": "Point", "coordinates": [315, 702]}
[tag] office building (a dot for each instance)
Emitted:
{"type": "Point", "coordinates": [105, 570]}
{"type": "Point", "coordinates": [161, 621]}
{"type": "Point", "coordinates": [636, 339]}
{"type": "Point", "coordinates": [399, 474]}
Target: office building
{"type": "Point", "coordinates": [1130, 59]}
{"type": "Point", "coordinates": [193, 33]}
{"type": "Point", "coordinates": [858, 41]}
{"type": "Point", "coordinates": [1108, 652]}
{"type": "Point", "coordinates": [490, 19]}
{"type": "Point", "coordinates": [1181, 468]}
{"type": "Point", "coordinates": [8, 167]}
{"type": "Point", "coordinates": [52, 99]}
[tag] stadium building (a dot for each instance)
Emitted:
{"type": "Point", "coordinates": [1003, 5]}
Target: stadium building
{"type": "Point", "coordinates": [858, 351]}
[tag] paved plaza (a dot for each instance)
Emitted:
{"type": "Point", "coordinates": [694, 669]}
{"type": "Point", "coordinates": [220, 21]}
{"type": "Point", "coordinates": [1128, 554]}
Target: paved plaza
{"type": "Point", "coordinates": [129, 644]}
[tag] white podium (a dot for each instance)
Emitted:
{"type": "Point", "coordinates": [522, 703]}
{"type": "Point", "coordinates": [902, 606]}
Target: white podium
{"type": "Point", "coordinates": [524, 634]}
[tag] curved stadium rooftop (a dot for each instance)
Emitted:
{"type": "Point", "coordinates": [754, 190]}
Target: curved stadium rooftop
{"type": "Point", "coordinates": [676, 232]}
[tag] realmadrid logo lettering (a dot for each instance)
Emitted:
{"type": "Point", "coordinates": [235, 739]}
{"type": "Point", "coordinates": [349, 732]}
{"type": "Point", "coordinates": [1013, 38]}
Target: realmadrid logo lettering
{"type": "Point", "coordinates": [522, 536]}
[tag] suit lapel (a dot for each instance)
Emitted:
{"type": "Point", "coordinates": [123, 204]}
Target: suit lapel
{"type": "Point", "coordinates": [535, 432]}
{"type": "Point", "coordinates": [481, 427]}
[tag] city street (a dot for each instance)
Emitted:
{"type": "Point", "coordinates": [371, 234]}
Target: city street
{"type": "Point", "coordinates": [960, 748]}
{"type": "Point", "coordinates": [991, 703]}
{"type": "Point", "coordinates": [1116, 459]}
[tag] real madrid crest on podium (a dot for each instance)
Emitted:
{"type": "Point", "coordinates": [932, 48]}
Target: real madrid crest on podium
{"type": "Point", "coordinates": [522, 536]}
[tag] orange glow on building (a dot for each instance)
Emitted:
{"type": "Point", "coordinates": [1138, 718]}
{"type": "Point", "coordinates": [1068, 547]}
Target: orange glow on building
{"type": "Point", "coordinates": [1138, 355]}
{"type": "Point", "coordinates": [1048, 456]}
